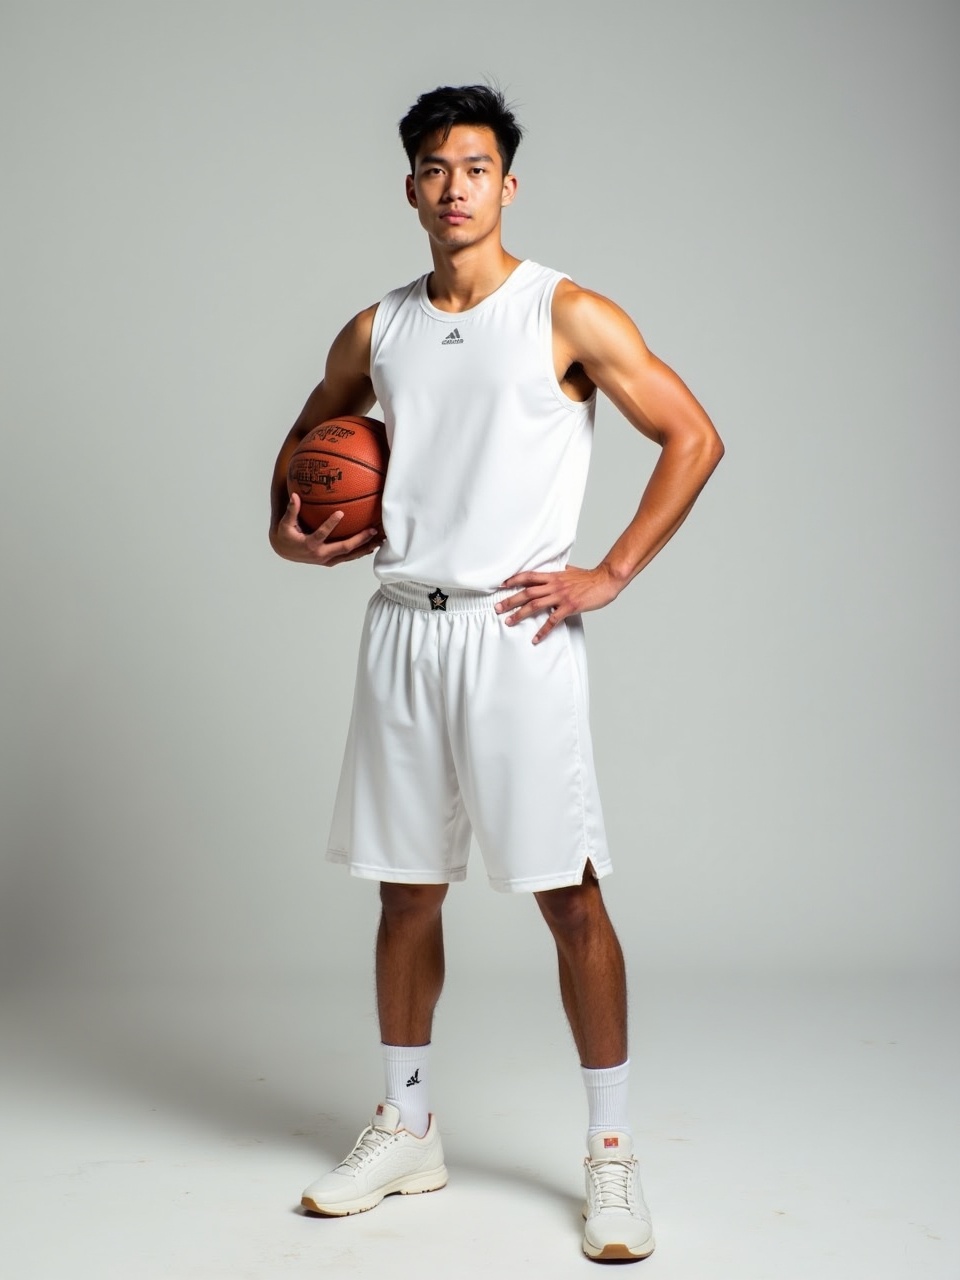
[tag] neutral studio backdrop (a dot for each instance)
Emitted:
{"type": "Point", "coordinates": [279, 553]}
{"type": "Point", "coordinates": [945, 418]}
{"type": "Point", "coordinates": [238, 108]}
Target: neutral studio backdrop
{"type": "Point", "coordinates": [198, 195]}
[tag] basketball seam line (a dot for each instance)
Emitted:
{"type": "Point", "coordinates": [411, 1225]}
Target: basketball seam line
{"type": "Point", "coordinates": [336, 502]}
{"type": "Point", "coordinates": [344, 457]}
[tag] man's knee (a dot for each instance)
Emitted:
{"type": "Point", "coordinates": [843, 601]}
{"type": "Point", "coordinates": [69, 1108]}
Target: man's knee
{"type": "Point", "coordinates": [411, 901]}
{"type": "Point", "coordinates": [572, 910]}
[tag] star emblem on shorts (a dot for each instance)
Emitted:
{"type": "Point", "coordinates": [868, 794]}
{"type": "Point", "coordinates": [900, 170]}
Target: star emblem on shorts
{"type": "Point", "coordinates": [438, 600]}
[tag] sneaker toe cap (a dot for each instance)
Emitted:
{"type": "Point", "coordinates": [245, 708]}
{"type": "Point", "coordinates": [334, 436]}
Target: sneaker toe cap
{"type": "Point", "coordinates": [605, 1229]}
{"type": "Point", "coordinates": [330, 1189]}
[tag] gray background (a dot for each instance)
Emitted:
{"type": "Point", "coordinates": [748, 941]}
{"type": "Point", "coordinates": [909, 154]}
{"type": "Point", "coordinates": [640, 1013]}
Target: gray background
{"type": "Point", "coordinates": [198, 195]}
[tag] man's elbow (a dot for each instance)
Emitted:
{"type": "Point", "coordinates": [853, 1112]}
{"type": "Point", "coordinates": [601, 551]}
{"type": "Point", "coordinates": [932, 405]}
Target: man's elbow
{"type": "Point", "coordinates": [698, 444]}
{"type": "Point", "coordinates": [715, 450]}
{"type": "Point", "coordinates": [708, 449]}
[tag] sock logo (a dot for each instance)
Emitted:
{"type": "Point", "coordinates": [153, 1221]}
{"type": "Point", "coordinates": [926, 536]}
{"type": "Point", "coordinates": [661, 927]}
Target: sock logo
{"type": "Point", "coordinates": [414, 1079]}
{"type": "Point", "coordinates": [611, 1142]}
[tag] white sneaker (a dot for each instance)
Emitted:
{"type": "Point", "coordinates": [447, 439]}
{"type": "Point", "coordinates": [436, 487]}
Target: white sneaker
{"type": "Point", "coordinates": [617, 1219]}
{"type": "Point", "coordinates": [385, 1160]}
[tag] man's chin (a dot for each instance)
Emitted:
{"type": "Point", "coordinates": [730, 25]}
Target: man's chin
{"type": "Point", "coordinates": [460, 237]}
{"type": "Point", "coordinates": [458, 240]}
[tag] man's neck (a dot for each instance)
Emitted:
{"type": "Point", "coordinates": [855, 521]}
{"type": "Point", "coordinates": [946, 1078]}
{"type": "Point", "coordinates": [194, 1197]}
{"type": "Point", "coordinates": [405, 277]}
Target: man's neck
{"type": "Point", "coordinates": [463, 278]}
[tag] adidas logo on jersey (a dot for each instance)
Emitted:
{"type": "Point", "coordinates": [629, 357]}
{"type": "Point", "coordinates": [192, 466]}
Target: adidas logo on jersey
{"type": "Point", "coordinates": [452, 339]}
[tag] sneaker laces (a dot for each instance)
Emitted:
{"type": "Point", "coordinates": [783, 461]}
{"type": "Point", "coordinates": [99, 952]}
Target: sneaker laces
{"type": "Point", "coordinates": [370, 1142]}
{"type": "Point", "coordinates": [613, 1183]}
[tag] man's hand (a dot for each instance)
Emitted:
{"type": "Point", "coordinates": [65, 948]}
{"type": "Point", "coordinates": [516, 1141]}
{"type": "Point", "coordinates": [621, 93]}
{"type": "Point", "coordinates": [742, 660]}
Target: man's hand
{"type": "Point", "coordinates": [292, 543]}
{"type": "Point", "coordinates": [569, 591]}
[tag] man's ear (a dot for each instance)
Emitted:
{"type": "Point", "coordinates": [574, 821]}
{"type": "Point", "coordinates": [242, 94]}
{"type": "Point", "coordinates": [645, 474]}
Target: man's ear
{"type": "Point", "coordinates": [510, 185]}
{"type": "Point", "coordinates": [411, 191]}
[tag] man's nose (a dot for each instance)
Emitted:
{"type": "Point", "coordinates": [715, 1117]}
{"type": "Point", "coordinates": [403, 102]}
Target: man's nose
{"type": "Point", "coordinates": [454, 188]}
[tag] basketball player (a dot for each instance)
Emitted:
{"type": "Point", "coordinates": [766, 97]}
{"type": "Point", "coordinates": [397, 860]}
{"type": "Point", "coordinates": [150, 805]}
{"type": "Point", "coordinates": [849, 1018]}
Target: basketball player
{"type": "Point", "coordinates": [470, 710]}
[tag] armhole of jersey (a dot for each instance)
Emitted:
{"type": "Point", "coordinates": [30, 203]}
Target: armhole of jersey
{"type": "Point", "coordinates": [546, 341]}
{"type": "Point", "coordinates": [386, 310]}
{"type": "Point", "coordinates": [376, 332]}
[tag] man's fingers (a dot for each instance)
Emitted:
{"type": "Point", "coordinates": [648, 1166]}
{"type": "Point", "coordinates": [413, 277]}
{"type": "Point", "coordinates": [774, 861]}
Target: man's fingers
{"type": "Point", "coordinates": [354, 555]}
{"type": "Point", "coordinates": [322, 547]}
{"type": "Point", "coordinates": [530, 597]}
{"type": "Point", "coordinates": [343, 546]}
{"type": "Point", "coordinates": [337, 551]}
{"type": "Point", "coordinates": [523, 580]}
{"type": "Point", "coordinates": [323, 531]}
{"type": "Point", "coordinates": [511, 602]}
{"type": "Point", "coordinates": [536, 596]}
{"type": "Point", "coordinates": [289, 517]}
{"type": "Point", "coordinates": [556, 615]}
{"type": "Point", "coordinates": [515, 602]}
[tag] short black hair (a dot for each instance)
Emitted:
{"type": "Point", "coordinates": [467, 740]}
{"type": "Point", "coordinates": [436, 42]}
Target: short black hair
{"type": "Point", "coordinates": [443, 107]}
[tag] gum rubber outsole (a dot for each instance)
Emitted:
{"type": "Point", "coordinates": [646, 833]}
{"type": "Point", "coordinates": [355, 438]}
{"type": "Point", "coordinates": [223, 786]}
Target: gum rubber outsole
{"type": "Point", "coordinates": [352, 1206]}
{"type": "Point", "coordinates": [618, 1253]}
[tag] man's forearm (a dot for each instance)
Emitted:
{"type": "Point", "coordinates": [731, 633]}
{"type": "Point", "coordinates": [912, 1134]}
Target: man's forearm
{"type": "Point", "coordinates": [674, 485]}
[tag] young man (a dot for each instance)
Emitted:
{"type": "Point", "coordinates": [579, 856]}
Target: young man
{"type": "Point", "coordinates": [470, 706]}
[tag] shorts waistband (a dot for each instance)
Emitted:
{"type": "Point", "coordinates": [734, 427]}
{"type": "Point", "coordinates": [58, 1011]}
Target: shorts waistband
{"type": "Point", "coordinates": [440, 599]}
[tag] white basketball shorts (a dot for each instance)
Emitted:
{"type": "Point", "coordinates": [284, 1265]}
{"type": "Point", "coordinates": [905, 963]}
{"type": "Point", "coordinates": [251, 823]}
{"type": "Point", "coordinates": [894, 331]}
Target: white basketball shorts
{"type": "Point", "coordinates": [462, 726]}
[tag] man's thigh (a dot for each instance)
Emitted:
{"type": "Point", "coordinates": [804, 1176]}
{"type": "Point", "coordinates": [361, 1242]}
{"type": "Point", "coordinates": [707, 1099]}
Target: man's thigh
{"type": "Point", "coordinates": [399, 815]}
{"type": "Point", "coordinates": [518, 717]}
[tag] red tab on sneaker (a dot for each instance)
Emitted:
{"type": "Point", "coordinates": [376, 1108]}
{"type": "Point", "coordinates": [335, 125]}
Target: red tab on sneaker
{"type": "Point", "coordinates": [379, 1111]}
{"type": "Point", "coordinates": [611, 1142]}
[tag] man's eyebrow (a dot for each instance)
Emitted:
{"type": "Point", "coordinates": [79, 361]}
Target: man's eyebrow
{"type": "Point", "coordinates": [444, 160]}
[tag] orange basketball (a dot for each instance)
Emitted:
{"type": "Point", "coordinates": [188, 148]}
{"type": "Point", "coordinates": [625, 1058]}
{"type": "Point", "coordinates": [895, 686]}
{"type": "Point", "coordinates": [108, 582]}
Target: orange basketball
{"type": "Point", "coordinates": [340, 466]}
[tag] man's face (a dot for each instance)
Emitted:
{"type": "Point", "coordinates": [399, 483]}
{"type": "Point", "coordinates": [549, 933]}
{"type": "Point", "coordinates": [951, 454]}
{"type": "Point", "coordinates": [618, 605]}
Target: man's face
{"type": "Point", "coordinates": [458, 186]}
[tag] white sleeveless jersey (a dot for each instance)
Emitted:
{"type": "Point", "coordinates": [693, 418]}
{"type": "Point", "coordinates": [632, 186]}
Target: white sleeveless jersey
{"type": "Point", "coordinates": [488, 456]}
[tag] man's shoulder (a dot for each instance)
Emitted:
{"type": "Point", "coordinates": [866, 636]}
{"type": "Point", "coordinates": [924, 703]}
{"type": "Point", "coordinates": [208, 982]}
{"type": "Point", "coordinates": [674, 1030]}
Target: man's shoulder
{"type": "Point", "coordinates": [571, 294]}
{"type": "Point", "coordinates": [592, 326]}
{"type": "Point", "coordinates": [359, 327]}
{"type": "Point", "coordinates": [575, 305]}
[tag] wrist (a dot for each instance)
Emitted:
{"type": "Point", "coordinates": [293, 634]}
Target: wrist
{"type": "Point", "coordinates": [618, 575]}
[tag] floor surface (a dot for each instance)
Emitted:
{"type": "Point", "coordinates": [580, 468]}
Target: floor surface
{"type": "Point", "coordinates": [788, 1129]}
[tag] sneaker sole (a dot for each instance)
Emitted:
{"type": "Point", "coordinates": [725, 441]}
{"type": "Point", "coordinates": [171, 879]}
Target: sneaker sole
{"type": "Point", "coordinates": [617, 1253]}
{"type": "Point", "coordinates": [413, 1185]}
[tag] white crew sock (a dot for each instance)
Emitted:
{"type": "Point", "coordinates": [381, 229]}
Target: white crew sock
{"type": "Point", "coordinates": [405, 1072]}
{"type": "Point", "coordinates": [607, 1100]}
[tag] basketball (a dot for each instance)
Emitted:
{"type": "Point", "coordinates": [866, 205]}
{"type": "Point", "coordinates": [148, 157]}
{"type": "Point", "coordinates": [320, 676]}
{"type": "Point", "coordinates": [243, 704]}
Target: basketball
{"type": "Point", "coordinates": [340, 466]}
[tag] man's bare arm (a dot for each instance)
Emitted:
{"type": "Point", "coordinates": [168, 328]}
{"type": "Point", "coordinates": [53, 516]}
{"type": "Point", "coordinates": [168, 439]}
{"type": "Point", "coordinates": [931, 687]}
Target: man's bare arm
{"type": "Point", "coordinates": [594, 333]}
{"type": "Point", "coordinates": [346, 388]}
